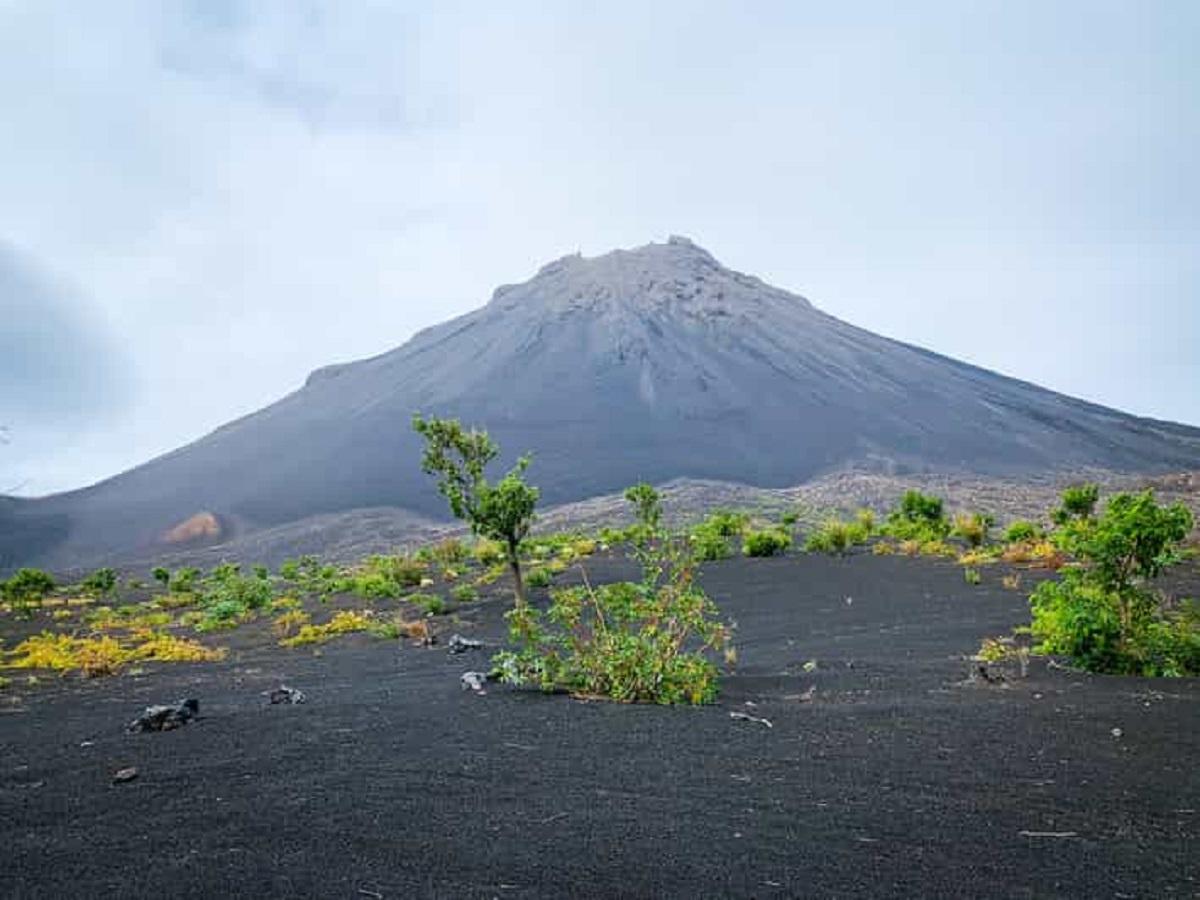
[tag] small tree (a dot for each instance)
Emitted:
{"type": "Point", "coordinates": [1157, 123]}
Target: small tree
{"type": "Point", "coordinates": [648, 505]}
{"type": "Point", "coordinates": [502, 511]}
{"type": "Point", "coordinates": [1078, 504]}
{"type": "Point", "coordinates": [101, 582]}
{"type": "Point", "coordinates": [162, 575]}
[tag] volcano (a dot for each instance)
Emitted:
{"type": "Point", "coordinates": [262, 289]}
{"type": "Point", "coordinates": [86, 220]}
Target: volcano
{"type": "Point", "coordinates": [647, 364]}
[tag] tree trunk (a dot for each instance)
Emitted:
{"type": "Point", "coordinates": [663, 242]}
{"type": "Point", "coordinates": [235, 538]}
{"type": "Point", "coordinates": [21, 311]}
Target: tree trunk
{"type": "Point", "coordinates": [514, 563]}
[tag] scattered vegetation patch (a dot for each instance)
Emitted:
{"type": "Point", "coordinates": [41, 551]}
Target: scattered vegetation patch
{"type": "Point", "coordinates": [973, 528]}
{"type": "Point", "coordinates": [343, 622]}
{"type": "Point", "coordinates": [104, 655]}
{"type": "Point", "coordinates": [918, 517]}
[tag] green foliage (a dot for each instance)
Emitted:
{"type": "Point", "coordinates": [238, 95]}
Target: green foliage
{"type": "Point", "coordinates": [27, 587]}
{"type": "Point", "coordinates": [228, 612]}
{"type": "Point", "coordinates": [708, 544]}
{"type": "Point", "coordinates": [728, 523]}
{"type": "Point", "coordinates": [384, 577]}
{"type": "Point", "coordinates": [918, 517]}
{"type": "Point", "coordinates": [430, 604]}
{"type": "Point", "coordinates": [502, 511]}
{"type": "Point", "coordinates": [645, 642]}
{"type": "Point", "coordinates": [101, 582]}
{"type": "Point", "coordinates": [540, 577]}
{"type": "Point", "coordinates": [971, 575]}
{"type": "Point", "coordinates": [184, 580]}
{"type": "Point", "coordinates": [313, 577]}
{"type": "Point", "coordinates": [647, 504]}
{"type": "Point", "coordinates": [162, 575]}
{"type": "Point", "coordinates": [1022, 531]}
{"type": "Point", "coordinates": [289, 570]}
{"type": "Point", "coordinates": [226, 585]}
{"type": "Point", "coordinates": [465, 593]}
{"type": "Point", "coordinates": [768, 542]}
{"type": "Point", "coordinates": [1078, 503]}
{"type": "Point", "coordinates": [487, 552]}
{"type": "Point", "coordinates": [1102, 614]}
{"type": "Point", "coordinates": [789, 519]}
{"type": "Point", "coordinates": [836, 536]}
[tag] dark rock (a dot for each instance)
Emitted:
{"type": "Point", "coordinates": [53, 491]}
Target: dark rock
{"type": "Point", "coordinates": [165, 718]}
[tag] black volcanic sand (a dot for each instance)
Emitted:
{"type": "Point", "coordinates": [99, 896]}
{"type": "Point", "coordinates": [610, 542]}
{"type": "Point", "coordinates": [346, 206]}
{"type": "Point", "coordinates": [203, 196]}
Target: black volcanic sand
{"type": "Point", "coordinates": [898, 778]}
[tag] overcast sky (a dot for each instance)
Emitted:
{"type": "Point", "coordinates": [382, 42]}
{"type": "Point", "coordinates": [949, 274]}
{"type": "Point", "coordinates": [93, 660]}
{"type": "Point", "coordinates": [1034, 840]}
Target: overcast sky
{"type": "Point", "coordinates": [201, 202]}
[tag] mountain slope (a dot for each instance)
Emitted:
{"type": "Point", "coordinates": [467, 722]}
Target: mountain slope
{"type": "Point", "coordinates": [652, 364]}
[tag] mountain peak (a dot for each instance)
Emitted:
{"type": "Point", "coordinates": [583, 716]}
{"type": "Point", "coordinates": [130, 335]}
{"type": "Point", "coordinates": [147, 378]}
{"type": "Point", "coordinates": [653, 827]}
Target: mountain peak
{"type": "Point", "coordinates": [677, 274]}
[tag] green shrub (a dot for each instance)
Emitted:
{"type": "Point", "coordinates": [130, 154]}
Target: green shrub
{"type": "Point", "coordinates": [647, 642]}
{"type": "Point", "coordinates": [226, 585]}
{"type": "Point", "coordinates": [27, 587]}
{"type": "Point", "coordinates": [647, 506]}
{"type": "Point", "coordinates": [918, 517]}
{"type": "Point", "coordinates": [225, 613]}
{"type": "Point", "coordinates": [1103, 614]}
{"type": "Point", "coordinates": [289, 570]}
{"type": "Point", "coordinates": [1021, 531]}
{"type": "Point", "coordinates": [465, 593]}
{"type": "Point", "coordinates": [101, 582]}
{"type": "Point", "coordinates": [836, 537]}
{"type": "Point", "coordinates": [184, 580]}
{"type": "Point", "coordinates": [768, 542]}
{"type": "Point", "coordinates": [488, 553]}
{"type": "Point", "coordinates": [162, 575]}
{"type": "Point", "coordinates": [1078, 503]}
{"type": "Point", "coordinates": [539, 578]}
{"type": "Point", "coordinates": [727, 523]}
{"type": "Point", "coordinates": [789, 519]}
{"type": "Point", "coordinates": [971, 575]}
{"type": "Point", "coordinates": [708, 543]}
{"type": "Point", "coordinates": [430, 604]}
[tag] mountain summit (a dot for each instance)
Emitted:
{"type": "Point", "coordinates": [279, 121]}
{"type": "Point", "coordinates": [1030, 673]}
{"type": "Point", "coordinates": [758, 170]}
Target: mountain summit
{"type": "Point", "coordinates": [645, 364]}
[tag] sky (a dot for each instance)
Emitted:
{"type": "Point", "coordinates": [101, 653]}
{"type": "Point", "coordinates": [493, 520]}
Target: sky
{"type": "Point", "coordinates": [202, 202]}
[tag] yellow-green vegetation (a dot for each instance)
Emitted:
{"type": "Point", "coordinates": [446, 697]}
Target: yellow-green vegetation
{"type": "Point", "coordinates": [103, 655]}
{"type": "Point", "coordinates": [106, 618]}
{"type": "Point", "coordinates": [290, 622]}
{"type": "Point", "coordinates": [980, 556]}
{"type": "Point", "coordinates": [712, 539]}
{"type": "Point", "coordinates": [972, 576]}
{"type": "Point", "coordinates": [347, 621]}
{"type": "Point", "coordinates": [973, 527]}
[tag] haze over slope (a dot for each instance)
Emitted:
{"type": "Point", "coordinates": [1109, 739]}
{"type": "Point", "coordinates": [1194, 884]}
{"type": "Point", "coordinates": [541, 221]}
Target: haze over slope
{"type": "Point", "coordinates": [653, 363]}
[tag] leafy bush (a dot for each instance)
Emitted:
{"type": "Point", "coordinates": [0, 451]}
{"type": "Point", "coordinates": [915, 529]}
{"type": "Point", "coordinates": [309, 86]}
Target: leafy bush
{"type": "Point", "coordinates": [27, 587]}
{"type": "Point", "coordinates": [100, 582]}
{"type": "Point", "coordinates": [1021, 531]}
{"type": "Point", "coordinates": [638, 643]}
{"type": "Point", "coordinates": [430, 604]}
{"type": "Point", "coordinates": [768, 542]}
{"type": "Point", "coordinates": [728, 523]}
{"type": "Point", "coordinates": [226, 584]}
{"type": "Point", "coordinates": [184, 580]}
{"type": "Point", "coordinates": [385, 576]}
{"type": "Point", "coordinates": [465, 593]}
{"type": "Point", "coordinates": [1078, 504]}
{"type": "Point", "coordinates": [709, 544]}
{"type": "Point", "coordinates": [1102, 614]}
{"type": "Point", "coordinates": [227, 613]}
{"type": "Point", "coordinates": [836, 536]}
{"type": "Point", "coordinates": [162, 575]}
{"type": "Point", "coordinates": [972, 576]}
{"type": "Point", "coordinates": [789, 519]}
{"type": "Point", "coordinates": [918, 517]}
{"type": "Point", "coordinates": [539, 578]}
{"type": "Point", "coordinates": [347, 621]}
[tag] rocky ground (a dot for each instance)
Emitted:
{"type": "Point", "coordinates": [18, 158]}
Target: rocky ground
{"type": "Point", "coordinates": [849, 755]}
